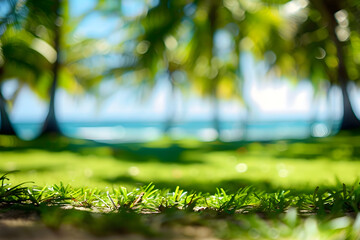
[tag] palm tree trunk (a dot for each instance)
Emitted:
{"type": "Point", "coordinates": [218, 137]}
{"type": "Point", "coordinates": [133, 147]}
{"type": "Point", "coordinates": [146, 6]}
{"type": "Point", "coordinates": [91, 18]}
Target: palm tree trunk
{"type": "Point", "coordinates": [170, 106]}
{"type": "Point", "coordinates": [213, 17]}
{"type": "Point", "coordinates": [215, 107]}
{"type": "Point", "coordinates": [6, 127]}
{"type": "Point", "coordinates": [328, 9]}
{"type": "Point", "coordinates": [51, 125]}
{"type": "Point", "coordinates": [349, 121]}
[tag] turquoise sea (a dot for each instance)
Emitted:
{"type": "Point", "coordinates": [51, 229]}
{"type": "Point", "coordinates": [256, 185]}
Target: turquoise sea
{"type": "Point", "coordinates": [117, 132]}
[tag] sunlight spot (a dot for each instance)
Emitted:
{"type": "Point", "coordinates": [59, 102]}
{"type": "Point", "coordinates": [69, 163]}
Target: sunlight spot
{"type": "Point", "coordinates": [241, 167]}
{"type": "Point", "coordinates": [143, 47]}
{"type": "Point", "coordinates": [208, 134]}
{"type": "Point", "coordinates": [44, 49]}
{"type": "Point", "coordinates": [283, 173]}
{"type": "Point", "coordinates": [294, 6]}
{"type": "Point", "coordinates": [342, 33]}
{"type": "Point", "coordinates": [320, 54]}
{"type": "Point", "coordinates": [320, 130]}
{"type": "Point", "coordinates": [246, 43]}
{"type": "Point", "coordinates": [177, 173]}
{"type": "Point", "coordinates": [134, 171]}
{"type": "Point", "coordinates": [235, 8]}
{"type": "Point", "coordinates": [339, 223]}
{"type": "Point", "coordinates": [88, 172]}
{"type": "Point", "coordinates": [170, 42]}
{"type": "Point", "coordinates": [10, 166]}
{"type": "Point", "coordinates": [342, 17]}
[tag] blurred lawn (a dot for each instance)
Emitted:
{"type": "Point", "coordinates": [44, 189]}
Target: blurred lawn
{"type": "Point", "coordinates": [193, 165]}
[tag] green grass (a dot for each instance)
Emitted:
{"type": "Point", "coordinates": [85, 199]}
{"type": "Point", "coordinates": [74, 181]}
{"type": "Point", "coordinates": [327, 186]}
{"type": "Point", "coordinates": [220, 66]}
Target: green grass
{"type": "Point", "coordinates": [190, 164]}
{"type": "Point", "coordinates": [148, 199]}
{"type": "Point", "coordinates": [151, 212]}
{"type": "Point", "coordinates": [284, 189]}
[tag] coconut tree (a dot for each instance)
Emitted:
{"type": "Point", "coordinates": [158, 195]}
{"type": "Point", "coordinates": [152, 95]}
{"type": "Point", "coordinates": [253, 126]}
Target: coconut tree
{"type": "Point", "coordinates": [18, 57]}
{"type": "Point", "coordinates": [339, 25]}
{"type": "Point", "coordinates": [51, 125]}
{"type": "Point", "coordinates": [73, 59]}
{"type": "Point", "coordinates": [250, 26]}
{"type": "Point", "coordinates": [22, 62]}
{"type": "Point", "coordinates": [29, 57]}
{"type": "Point", "coordinates": [175, 39]}
{"type": "Point", "coordinates": [159, 47]}
{"type": "Point", "coordinates": [5, 123]}
{"type": "Point", "coordinates": [323, 46]}
{"type": "Point", "coordinates": [32, 54]}
{"type": "Point", "coordinates": [184, 35]}
{"type": "Point", "coordinates": [152, 48]}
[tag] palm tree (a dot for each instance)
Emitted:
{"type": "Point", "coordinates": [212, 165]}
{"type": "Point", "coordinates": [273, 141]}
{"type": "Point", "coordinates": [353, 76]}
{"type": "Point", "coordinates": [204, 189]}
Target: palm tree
{"type": "Point", "coordinates": [180, 35]}
{"type": "Point", "coordinates": [160, 46]}
{"type": "Point", "coordinates": [250, 25]}
{"type": "Point", "coordinates": [18, 52]}
{"type": "Point", "coordinates": [6, 127]}
{"type": "Point", "coordinates": [19, 59]}
{"type": "Point", "coordinates": [51, 125]}
{"type": "Point", "coordinates": [331, 12]}
{"type": "Point", "coordinates": [32, 54]}
{"type": "Point", "coordinates": [74, 69]}
{"type": "Point", "coordinates": [323, 47]}
{"type": "Point", "coordinates": [21, 62]}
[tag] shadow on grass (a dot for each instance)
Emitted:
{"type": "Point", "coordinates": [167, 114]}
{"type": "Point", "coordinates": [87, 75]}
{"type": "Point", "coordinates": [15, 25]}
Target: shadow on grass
{"type": "Point", "coordinates": [340, 147]}
{"type": "Point", "coordinates": [42, 169]}
{"type": "Point", "coordinates": [231, 185]}
{"type": "Point", "coordinates": [133, 152]}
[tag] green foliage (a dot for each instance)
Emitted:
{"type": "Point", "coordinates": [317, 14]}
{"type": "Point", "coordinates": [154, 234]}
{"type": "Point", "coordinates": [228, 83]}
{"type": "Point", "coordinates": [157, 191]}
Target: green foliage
{"type": "Point", "coordinates": [274, 202]}
{"type": "Point", "coordinates": [149, 199]}
{"type": "Point", "coordinates": [149, 211]}
{"type": "Point", "coordinates": [242, 201]}
{"type": "Point", "coordinates": [11, 194]}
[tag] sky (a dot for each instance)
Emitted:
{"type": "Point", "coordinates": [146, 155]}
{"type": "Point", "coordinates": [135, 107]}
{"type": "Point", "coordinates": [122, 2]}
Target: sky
{"type": "Point", "coordinates": [268, 97]}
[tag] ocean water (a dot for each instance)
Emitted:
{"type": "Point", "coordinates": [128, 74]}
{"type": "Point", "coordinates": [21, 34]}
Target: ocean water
{"type": "Point", "coordinates": [118, 132]}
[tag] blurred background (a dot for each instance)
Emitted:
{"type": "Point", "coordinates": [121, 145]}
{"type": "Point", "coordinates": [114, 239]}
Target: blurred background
{"type": "Point", "coordinates": [137, 70]}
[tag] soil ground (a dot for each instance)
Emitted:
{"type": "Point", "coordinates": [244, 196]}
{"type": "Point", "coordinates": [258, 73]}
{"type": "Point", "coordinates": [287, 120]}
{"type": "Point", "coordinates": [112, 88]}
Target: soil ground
{"type": "Point", "coordinates": [21, 225]}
